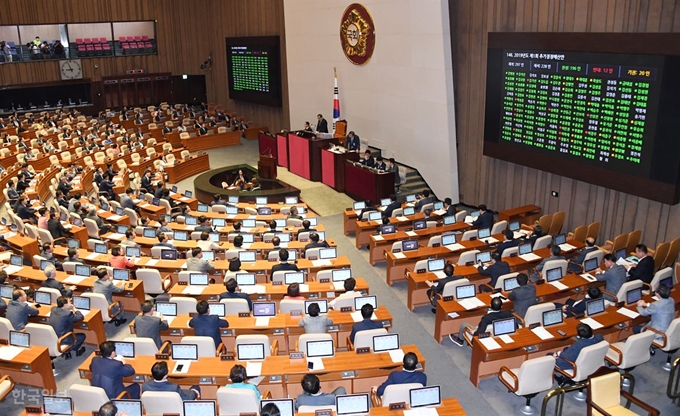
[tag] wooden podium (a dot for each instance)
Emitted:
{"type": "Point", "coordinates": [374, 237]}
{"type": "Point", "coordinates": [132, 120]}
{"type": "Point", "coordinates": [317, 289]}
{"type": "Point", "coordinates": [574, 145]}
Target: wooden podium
{"type": "Point", "coordinates": [266, 167]}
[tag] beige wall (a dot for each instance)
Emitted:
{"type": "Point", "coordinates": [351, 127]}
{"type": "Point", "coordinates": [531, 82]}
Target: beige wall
{"type": "Point", "coordinates": [9, 33]}
{"type": "Point", "coordinates": [133, 29]}
{"type": "Point", "coordinates": [400, 101]}
{"type": "Point", "coordinates": [46, 33]}
{"type": "Point", "coordinates": [89, 30]}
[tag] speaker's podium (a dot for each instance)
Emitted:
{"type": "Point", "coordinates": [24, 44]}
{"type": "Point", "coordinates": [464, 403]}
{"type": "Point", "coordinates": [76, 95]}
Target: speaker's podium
{"type": "Point", "coordinates": [266, 167]}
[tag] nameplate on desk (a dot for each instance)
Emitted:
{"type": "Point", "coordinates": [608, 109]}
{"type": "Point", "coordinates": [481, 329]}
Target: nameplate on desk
{"type": "Point", "coordinates": [244, 314]}
{"type": "Point", "coordinates": [192, 314]}
{"type": "Point", "coordinates": [385, 324]}
{"type": "Point", "coordinates": [470, 263]}
{"type": "Point", "coordinates": [182, 283]}
{"type": "Point", "coordinates": [483, 335]}
{"type": "Point", "coordinates": [33, 409]}
{"type": "Point", "coordinates": [312, 258]}
{"type": "Point", "coordinates": [448, 298]}
{"type": "Point", "coordinates": [363, 350]}
{"type": "Point", "coordinates": [323, 412]}
{"type": "Point", "coordinates": [436, 245]}
{"type": "Point", "coordinates": [540, 282]}
{"type": "Point", "coordinates": [227, 333]}
{"type": "Point", "coordinates": [296, 312]}
{"type": "Point", "coordinates": [297, 355]}
{"type": "Point", "coordinates": [272, 260]}
{"type": "Point", "coordinates": [162, 356]}
{"type": "Point", "coordinates": [513, 254]}
{"type": "Point", "coordinates": [440, 224]}
{"type": "Point", "coordinates": [227, 357]}
{"type": "Point", "coordinates": [346, 309]}
{"type": "Point", "coordinates": [349, 209]}
{"type": "Point", "coordinates": [304, 240]}
{"type": "Point", "coordinates": [279, 283]}
{"type": "Point", "coordinates": [398, 406]}
{"type": "Point", "coordinates": [534, 325]}
{"type": "Point", "coordinates": [420, 271]}
{"type": "Point", "coordinates": [97, 353]}
{"type": "Point", "coordinates": [325, 280]}
{"type": "Point", "coordinates": [396, 250]}
{"type": "Point", "coordinates": [333, 328]}
{"type": "Point", "coordinates": [4, 342]}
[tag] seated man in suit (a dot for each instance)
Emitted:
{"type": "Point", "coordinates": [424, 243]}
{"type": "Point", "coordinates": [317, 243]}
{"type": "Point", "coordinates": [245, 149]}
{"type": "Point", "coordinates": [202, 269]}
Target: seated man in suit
{"type": "Point", "coordinates": [407, 375]}
{"type": "Point", "coordinates": [366, 323]}
{"type": "Point", "coordinates": [352, 142]}
{"type": "Point", "coordinates": [496, 269]}
{"type": "Point", "coordinates": [448, 206]}
{"type": "Point", "coordinates": [536, 233]}
{"type": "Point", "coordinates": [127, 200]}
{"type": "Point", "coordinates": [555, 254]}
{"type": "Point", "coordinates": [368, 159]}
{"type": "Point", "coordinates": [203, 224]}
{"type": "Point", "coordinates": [196, 262]}
{"type": "Point", "coordinates": [578, 307]}
{"type": "Point", "coordinates": [435, 291]}
{"type": "Point", "coordinates": [614, 276]}
{"type": "Point", "coordinates": [380, 164]}
{"type": "Point", "coordinates": [159, 372]}
{"type": "Point", "coordinates": [576, 263]}
{"type": "Point", "coordinates": [369, 207]}
{"type": "Point", "coordinates": [484, 220]}
{"type": "Point", "coordinates": [585, 338]}
{"type": "Point", "coordinates": [349, 284]}
{"type": "Point", "coordinates": [644, 269]}
{"type": "Point", "coordinates": [283, 264]}
{"type": "Point", "coordinates": [662, 311]}
{"type": "Point", "coordinates": [306, 228]}
{"type": "Point", "coordinates": [62, 318]}
{"type": "Point", "coordinates": [423, 200]}
{"type": "Point", "coordinates": [494, 314]}
{"type": "Point", "coordinates": [108, 371]}
{"type": "Point", "coordinates": [523, 296]}
{"type": "Point", "coordinates": [163, 242]}
{"type": "Point", "coordinates": [52, 282]}
{"type": "Point", "coordinates": [395, 204]}
{"type": "Point", "coordinates": [19, 310]}
{"type": "Point", "coordinates": [148, 325]}
{"type": "Point", "coordinates": [508, 243]}
{"type": "Point", "coordinates": [207, 325]}
{"type": "Point", "coordinates": [313, 322]}
{"type": "Point", "coordinates": [315, 243]}
{"type": "Point", "coordinates": [312, 394]}
{"type": "Point", "coordinates": [104, 285]}
{"type": "Point", "coordinates": [231, 293]}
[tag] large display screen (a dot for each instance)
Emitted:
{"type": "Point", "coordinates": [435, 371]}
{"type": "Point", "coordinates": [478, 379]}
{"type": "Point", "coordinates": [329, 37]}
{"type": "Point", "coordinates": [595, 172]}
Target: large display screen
{"type": "Point", "coordinates": [254, 69]}
{"type": "Point", "coordinates": [598, 114]}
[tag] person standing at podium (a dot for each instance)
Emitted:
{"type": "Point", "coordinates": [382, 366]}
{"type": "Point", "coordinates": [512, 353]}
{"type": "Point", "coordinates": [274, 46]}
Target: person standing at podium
{"type": "Point", "coordinates": [352, 143]}
{"type": "Point", "coordinates": [322, 125]}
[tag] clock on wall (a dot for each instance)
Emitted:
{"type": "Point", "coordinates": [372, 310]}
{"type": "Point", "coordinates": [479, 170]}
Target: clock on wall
{"type": "Point", "coordinates": [71, 69]}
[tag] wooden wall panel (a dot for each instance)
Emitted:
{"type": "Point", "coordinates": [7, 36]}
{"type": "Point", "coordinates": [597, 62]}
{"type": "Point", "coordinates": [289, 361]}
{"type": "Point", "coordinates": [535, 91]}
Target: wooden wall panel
{"type": "Point", "coordinates": [503, 185]}
{"type": "Point", "coordinates": [187, 33]}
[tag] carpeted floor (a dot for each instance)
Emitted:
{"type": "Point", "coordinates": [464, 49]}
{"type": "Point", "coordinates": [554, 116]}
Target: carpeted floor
{"type": "Point", "coordinates": [447, 364]}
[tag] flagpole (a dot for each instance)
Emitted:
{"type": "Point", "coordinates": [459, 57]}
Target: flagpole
{"type": "Point", "coordinates": [336, 99]}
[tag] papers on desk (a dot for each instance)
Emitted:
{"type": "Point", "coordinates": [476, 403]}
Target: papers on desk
{"type": "Point", "coordinates": [189, 227]}
{"type": "Point", "coordinates": [357, 213]}
{"type": "Point", "coordinates": [185, 366]}
{"type": "Point", "coordinates": [401, 218]}
{"type": "Point", "coordinates": [592, 323]}
{"type": "Point", "coordinates": [530, 257]}
{"type": "Point", "coordinates": [193, 290]}
{"type": "Point", "coordinates": [623, 262]}
{"type": "Point", "coordinates": [559, 285]}
{"type": "Point", "coordinates": [471, 303]}
{"type": "Point", "coordinates": [92, 256]}
{"type": "Point", "coordinates": [304, 288]}
{"type": "Point", "coordinates": [169, 319]}
{"type": "Point", "coordinates": [316, 361]}
{"type": "Point", "coordinates": [321, 263]}
{"type": "Point", "coordinates": [185, 199]}
{"type": "Point", "coordinates": [469, 219]}
{"type": "Point", "coordinates": [421, 411]}
{"type": "Point", "coordinates": [254, 368]}
{"type": "Point", "coordinates": [542, 333]}
{"type": "Point", "coordinates": [440, 274]}
{"type": "Point", "coordinates": [183, 266]}
{"type": "Point", "coordinates": [100, 211]}
{"type": "Point", "coordinates": [256, 380]}
{"type": "Point", "coordinates": [250, 289]}
{"type": "Point", "coordinates": [410, 204]}
{"type": "Point", "coordinates": [246, 245]}
{"type": "Point", "coordinates": [490, 240]}
{"type": "Point", "coordinates": [399, 255]}
{"type": "Point", "coordinates": [74, 279]}
{"type": "Point", "coordinates": [151, 262]}
{"type": "Point", "coordinates": [145, 205]}
{"type": "Point", "coordinates": [455, 247]}
{"type": "Point", "coordinates": [9, 352]}
{"type": "Point", "coordinates": [10, 235]}
{"type": "Point", "coordinates": [13, 269]}
{"type": "Point", "coordinates": [506, 339]}
{"type": "Point", "coordinates": [499, 295]}
{"type": "Point", "coordinates": [261, 321]}
{"type": "Point", "coordinates": [378, 238]}
{"type": "Point", "coordinates": [489, 343]}
{"type": "Point", "coordinates": [440, 212]}
{"type": "Point", "coordinates": [567, 247]}
{"type": "Point", "coordinates": [116, 236]}
{"type": "Point", "coordinates": [589, 277]}
{"type": "Point", "coordinates": [115, 217]}
{"type": "Point", "coordinates": [411, 233]}
{"type": "Point", "coordinates": [627, 312]}
{"type": "Point", "coordinates": [397, 355]}
{"type": "Point", "coordinates": [338, 286]}
{"type": "Point", "coordinates": [453, 315]}
{"type": "Point", "coordinates": [231, 216]}
{"type": "Point", "coordinates": [356, 316]}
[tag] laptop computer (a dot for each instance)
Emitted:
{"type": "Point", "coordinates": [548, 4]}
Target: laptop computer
{"type": "Point", "coordinates": [247, 256]}
{"type": "Point", "coordinates": [188, 194]}
{"type": "Point", "coordinates": [409, 245]}
{"type": "Point", "coordinates": [121, 229]}
{"type": "Point", "coordinates": [264, 309]}
{"type": "Point", "coordinates": [19, 339]}
{"type": "Point", "coordinates": [484, 233]}
{"type": "Point", "coordinates": [284, 237]}
{"type": "Point", "coordinates": [419, 224]}
{"type": "Point", "coordinates": [42, 298]}
{"type": "Point", "coordinates": [44, 264]}
{"type": "Point", "coordinates": [360, 301]}
{"type": "Point", "coordinates": [248, 238]}
{"type": "Point", "coordinates": [322, 348]}
{"type": "Point", "coordinates": [166, 308]}
{"type": "Point", "coordinates": [199, 279]}
{"type": "Point", "coordinates": [169, 254]}
{"type": "Point", "coordinates": [524, 248]}
{"type": "Point", "coordinates": [232, 210]}
{"type": "Point", "coordinates": [553, 317]}
{"type": "Point", "coordinates": [504, 326]}
{"type": "Point", "coordinates": [245, 279]}
{"type": "Point", "coordinates": [435, 265]}
{"type": "Point", "coordinates": [202, 208]}
{"type": "Point", "coordinates": [293, 277]}
{"type": "Point", "coordinates": [264, 211]}
{"type": "Point", "coordinates": [475, 214]}
{"type": "Point", "coordinates": [340, 275]}
{"type": "Point", "coordinates": [81, 303]}
{"type": "Point", "coordinates": [358, 206]}
{"type": "Point", "coordinates": [408, 211]}
{"type": "Point", "coordinates": [121, 274]}
{"type": "Point", "coordinates": [218, 309]}
{"type": "Point", "coordinates": [385, 342]}
{"type": "Point", "coordinates": [208, 255]}
{"type": "Point", "coordinates": [120, 211]}
{"type": "Point", "coordinates": [129, 407]}
{"type": "Point", "coordinates": [632, 296]}
{"type": "Point", "coordinates": [261, 200]}
{"type": "Point", "coordinates": [173, 189]}
{"type": "Point", "coordinates": [180, 235]}
{"type": "Point", "coordinates": [126, 349]}
{"type": "Point", "coordinates": [560, 239]}
{"type": "Point", "coordinates": [133, 252]}
{"type": "Point", "coordinates": [425, 396]}
{"type": "Point", "coordinates": [375, 216]}
{"type": "Point", "coordinates": [590, 265]}
{"type": "Point", "coordinates": [509, 284]}
{"type": "Point", "coordinates": [351, 404]}
{"type": "Point", "coordinates": [668, 281]}
{"type": "Point", "coordinates": [514, 226]}
{"type": "Point", "coordinates": [101, 248]}
{"type": "Point", "coordinates": [184, 352]}
{"type": "Point", "coordinates": [233, 199]}
{"type": "Point", "coordinates": [323, 305]}
{"type": "Point", "coordinates": [438, 205]}
{"type": "Point", "coordinates": [73, 243]}
{"type": "Point", "coordinates": [83, 270]}
{"type": "Point", "coordinates": [449, 219]}
{"type": "Point", "coordinates": [328, 253]}
{"type": "Point", "coordinates": [249, 352]}
{"type": "Point", "coordinates": [200, 407]}
{"type": "Point", "coordinates": [55, 405]}
{"type": "Point", "coordinates": [16, 260]}
{"type": "Point", "coordinates": [285, 406]}
{"type": "Point", "coordinates": [291, 200]}
{"type": "Point", "coordinates": [465, 291]}
{"type": "Point", "coordinates": [620, 253]}
{"type": "Point", "coordinates": [6, 291]}
{"type": "Point", "coordinates": [188, 220]}
{"type": "Point", "coordinates": [219, 222]}
{"type": "Point", "coordinates": [411, 198]}
{"type": "Point", "coordinates": [554, 275]}
{"type": "Point", "coordinates": [448, 239]}
{"type": "Point", "coordinates": [149, 233]}
{"type": "Point", "coordinates": [483, 257]}
{"type": "Point", "coordinates": [595, 306]}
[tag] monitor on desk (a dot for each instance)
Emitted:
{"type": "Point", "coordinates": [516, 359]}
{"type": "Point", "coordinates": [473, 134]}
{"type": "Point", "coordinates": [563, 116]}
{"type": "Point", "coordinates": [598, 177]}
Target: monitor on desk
{"type": "Point", "coordinates": [385, 202]}
{"type": "Point", "coordinates": [385, 342]}
{"type": "Point", "coordinates": [408, 211]}
{"type": "Point", "coordinates": [6, 291]}
{"type": "Point", "coordinates": [188, 194]}
{"type": "Point", "coordinates": [483, 257]}
{"type": "Point", "coordinates": [312, 221]}
{"type": "Point", "coordinates": [200, 407]}
{"type": "Point", "coordinates": [121, 229]}
{"type": "Point", "coordinates": [448, 239]}
{"type": "Point", "coordinates": [323, 305]}
{"type": "Point", "coordinates": [285, 406]}
{"type": "Point", "coordinates": [293, 277]}
{"type": "Point", "coordinates": [360, 301]}
{"type": "Point", "coordinates": [249, 352]}
{"type": "Point", "coordinates": [219, 222]}
{"type": "Point", "coordinates": [388, 229]}
{"type": "Point", "coordinates": [232, 210]}
{"type": "Point", "coordinates": [55, 405]}
{"type": "Point", "coordinates": [552, 317]}
{"type": "Point", "coordinates": [248, 238]}
{"type": "Point", "coordinates": [129, 407]}
{"type": "Point", "coordinates": [409, 245]}
{"type": "Point", "coordinates": [167, 217]}
{"type": "Point", "coordinates": [264, 309]}
{"type": "Point", "coordinates": [474, 214]}
{"type": "Point", "coordinates": [120, 211]}
{"type": "Point", "coordinates": [249, 223]}
{"type": "Point", "coordinates": [504, 326]}
{"type": "Point", "coordinates": [321, 234]}
{"type": "Point", "coordinates": [81, 303]}
{"type": "Point", "coordinates": [291, 200]}
{"type": "Point", "coordinates": [44, 264]}
{"type": "Point", "coordinates": [284, 237]}
{"type": "Point", "coordinates": [62, 217]}
{"type": "Point", "coordinates": [83, 270]}
{"type": "Point", "coordinates": [554, 275]}
{"type": "Point", "coordinates": [411, 198]}
{"type": "Point", "coordinates": [184, 352]}
{"type": "Point", "coordinates": [149, 233]}
{"type": "Point", "coordinates": [264, 211]}
{"type": "Point", "coordinates": [133, 251]}
{"type": "Point", "coordinates": [323, 348]}
{"type": "Point", "coordinates": [621, 253]}
{"type": "Point", "coordinates": [180, 235]}
{"type": "Point", "coordinates": [524, 248]}
{"type": "Point", "coordinates": [280, 223]}
{"type": "Point", "coordinates": [425, 396]}
{"type": "Point", "coordinates": [173, 189]}
{"type": "Point", "coordinates": [100, 248]}
{"type": "Point", "coordinates": [217, 309]}
{"type": "Point", "coordinates": [514, 226]}
{"type": "Point", "coordinates": [121, 274]}
{"type": "Point", "coordinates": [16, 260]}
{"type": "Point", "coordinates": [449, 219]}
{"type": "Point", "coordinates": [340, 275]}
{"type": "Point", "coordinates": [201, 279]}
{"type": "Point", "coordinates": [483, 233]}
{"type": "Point", "coordinates": [375, 216]}
{"type": "Point", "coordinates": [19, 339]}
{"type": "Point", "coordinates": [466, 291]}
{"type": "Point", "coordinates": [351, 404]}
{"type": "Point", "coordinates": [208, 255]}
{"type": "Point", "coordinates": [438, 205]}
{"type": "Point", "coordinates": [509, 284]}
{"type": "Point", "coordinates": [632, 296]}
{"type": "Point", "coordinates": [214, 237]}
{"type": "Point", "coordinates": [559, 239]}
{"type": "Point", "coordinates": [261, 200]}
{"type": "Point", "coordinates": [435, 265]}
{"type": "Point", "coordinates": [166, 308]}
{"type": "Point", "coordinates": [590, 265]}
{"type": "Point", "coordinates": [43, 298]}
{"type": "Point", "coordinates": [169, 254]}
{"type": "Point", "coordinates": [233, 199]}
{"type": "Point", "coordinates": [125, 349]}
{"type": "Point", "coordinates": [202, 208]}
{"type": "Point", "coordinates": [189, 220]}
{"type": "Point", "coordinates": [247, 256]}
{"type": "Point", "coordinates": [419, 224]}
{"type": "Point", "coordinates": [358, 206]}
{"type": "Point", "coordinates": [73, 243]}
{"type": "Point", "coordinates": [245, 279]}
{"type": "Point", "coordinates": [328, 253]}
{"type": "Point", "coordinates": [595, 306]}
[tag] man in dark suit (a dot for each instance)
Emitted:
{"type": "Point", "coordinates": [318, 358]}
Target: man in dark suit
{"type": "Point", "coordinates": [108, 371]}
{"type": "Point", "coordinates": [24, 211]}
{"type": "Point", "coordinates": [283, 264]}
{"type": "Point", "coordinates": [585, 338]}
{"type": "Point", "coordinates": [315, 243]}
{"type": "Point", "coordinates": [207, 325]}
{"type": "Point", "coordinates": [555, 254]}
{"type": "Point", "coordinates": [19, 310]}
{"type": "Point", "coordinates": [167, 129]}
{"type": "Point", "coordinates": [306, 228]}
{"type": "Point", "coordinates": [159, 372]}
{"type": "Point", "coordinates": [52, 282]}
{"type": "Point", "coordinates": [484, 220]}
{"type": "Point", "coordinates": [312, 394]}
{"type": "Point", "coordinates": [448, 206]}
{"type": "Point", "coordinates": [407, 375]}
{"type": "Point", "coordinates": [644, 270]}
{"type": "Point", "coordinates": [578, 307]}
{"type": "Point", "coordinates": [322, 124]}
{"type": "Point", "coordinates": [203, 224]}
{"type": "Point", "coordinates": [62, 318]}
{"type": "Point", "coordinates": [158, 192]}
{"type": "Point", "coordinates": [536, 234]}
{"type": "Point", "coordinates": [368, 159]}
{"type": "Point", "coordinates": [380, 164]}
{"type": "Point", "coordinates": [352, 142]}
{"type": "Point", "coordinates": [98, 176]}
{"type": "Point", "coordinates": [576, 263]}
{"type": "Point", "coordinates": [392, 206]}
{"type": "Point", "coordinates": [424, 200]}
{"type": "Point", "coordinates": [146, 181]}
{"type": "Point", "coordinates": [494, 314]}
{"type": "Point", "coordinates": [231, 293]}
{"type": "Point", "coordinates": [523, 296]}
{"type": "Point", "coordinates": [366, 323]}
{"type": "Point", "coordinates": [508, 243]}
{"type": "Point", "coordinates": [435, 291]}
{"type": "Point", "coordinates": [496, 269]}
{"type": "Point", "coordinates": [614, 276]}
{"type": "Point", "coordinates": [147, 325]}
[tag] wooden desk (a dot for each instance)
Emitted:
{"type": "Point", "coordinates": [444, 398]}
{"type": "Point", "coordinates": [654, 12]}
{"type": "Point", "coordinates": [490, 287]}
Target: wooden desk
{"type": "Point", "coordinates": [212, 141]}
{"type": "Point", "coordinates": [184, 169]}
{"type": "Point", "coordinates": [92, 325]}
{"type": "Point", "coordinates": [362, 184]}
{"type": "Point", "coordinates": [526, 214]}
{"type": "Point", "coordinates": [32, 367]}
{"type": "Point", "coordinates": [365, 229]}
{"type": "Point", "coordinates": [28, 247]}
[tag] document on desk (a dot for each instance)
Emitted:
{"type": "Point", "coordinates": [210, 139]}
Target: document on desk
{"type": "Point", "coordinates": [357, 213]}
{"type": "Point", "coordinates": [490, 240]}
{"type": "Point", "coordinates": [321, 263]}
{"type": "Point", "coordinates": [542, 333]}
{"type": "Point", "coordinates": [378, 238]}
{"type": "Point", "coordinates": [506, 339]}
{"type": "Point", "coordinates": [74, 279]}
{"type": "Point", "coordinates": [92, 256]}
{"type": "Point", "coordinates": [399, 255]}
{"type": "Point", "coordinates": [469, 219]}
{"type": "Point", "coordinates": [151, 262]}
{"type": "Point", "coordinates": [530, 257]}
{"type": "Point", "coordinates": [453, 315]}
{"type": "Point", "coordinates": [455, 247]}
{"type": "Point", "coordinates": [9, 352]}
{"type": "Point", "coordinates": [440, 212]}
{"type": "Point", "coordinates": [185, 364]}
{"type": "Point", "coordinates": [567, 247]}
{"type": "Point", "coordinates": [193, 290]}
{"type": "Point", "coordinates": [397, 355]}
{"type": "Point", "coordinates": [231, 216]}
{"type": "Point", "coordinates": [490, 343]}
{"type": "Point", "coordinates": [440, 274]}
{"type": "Point", "coordinates": [499, 295]}
{"type": "Point", "coordinates": [262, 321]}
{"type": "Point", "coordinates": [115, 217]}
{"type": "Point", "coordinates": [559, 285]}
{"type": "Point", "coordinates": [356, 316]}
{"type": "Point", "coordinates": [13, 269]}
{"type": "Point", "coordinates": [317, 363]}
{"type": "Point", "coordinates": [189, 227]}
{"type": "Point", "coordinates": [422, 411]}
{"type": "Point", "coordinates": [169, 319]}
{"type": "Point", "coordinates": [254, 368]}
{"type": "Point", "coordinates": [401, 218]}
{"type": "Point", "coordinates": [592, 323]}
{"type": "Point", "coordinates": [411, 233]}
{"type": "Point", "coordinates": [627, 312]}
{"type": "Point", "coordinates": [589, 277]}
{"type": "Point", "coordinates": [471, 303]}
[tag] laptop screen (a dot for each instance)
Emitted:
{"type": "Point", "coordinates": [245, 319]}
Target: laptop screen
{"type": "Point", "coordinates": [248, 238]}
{"type": "Point", "coordinates": [188, 194]}
{"type": "Point", "coordinates": [409, 245]}
{"type": "Point", "coordinates": [448, 239]}
{"type": "Point", "coordinates": [218, 309]}
{"type": "Point", "coordinates": [351, 404]}
{"type": "Point", "coordinates": [552, 317]}
{"type": "Point", "coordinates": [358, 206]}
{"type": "Point", "coordinates": [419, 224]}
{"type": "Point", "coordinates": [129, 407]}
{"type": "Point", "coordinates": [219, 222]}
{"type": "Point", "coordinates": [133, 251]}
{"type": "Point", "coordinates": [291, 200]}
{"type": "Point", "coordinates": [280, 223]}
{"type": "Point", "coordinates": [126, 349]}
{"type": "Point", "coordinates": [484, 233]}
{"type": "Point", "coordinates": [200, 408]}
{"type": "Point", "coordinates": [264, 309]}
{"type": "Point", "coordinates": [249, 223]}
{"type": "Point", "coordinates": [621, 253]}
{"type": "Point", "coordinates": [385, 342]}
{"type": "Point", "coordinates": [514, 226]}
{"type": "Point", "coordinates": [198, 279]}
{"type": "Point", "coordinates": [16, 260]}
{"type": "Point", "coordinates": [190, 220]}
{"type": "Point", "coordinates": [504, 326]}
{"type": "Point", "coordinates": [328, 253]}
{"type": "Point", "coordinates": [232, 210]}
{"type": "Point", "coordinates": [590, 265]}
{"type": "Point", "coordinates": [474, 214]}
{"type": "Point", "coordinates": [19, 339]}
{"type": "Point", "coordinates": [510, 283]}
{"type": "Point", "coordinates": [43, 298]}
{"type": "Point", "coordinates": [323, 305]}
{"type": "Point", "coordinates": [411, 198]}
{"type": "Point", "coordinates": [554, 275]}
{"type": "Point", "coordinates": [340, 275]}
{"type": "Point", "coordinates": [524, 248]}
{"type": "Point", "coordinates": [285, 406]}
{"type": "Point", "coordinates": [293, 277]}
{"type": "Point", "coordinates": [385, 202]}
{"type": "Point", "coordinates": [261, 200]}
{"type": "Point", "coordinates": [121, 274]}
{"type": "Point", "coordinates": [434, 265]}
{"type": "Point", "coordinates": [173, 189]}
{"type": "Point", "coordinates": [246, 256]}
{"type": "Point", "coordinates": [169, 254]}
{"type": "Point", "coordinates": [484, 257]}
{"type": "Point", "coordinates": [6, 291]}
{"type": "Point", "coordinates": [184, 352]}
{"type": "Point", "coordinates": [449, 219]}
{"type": "Point", "coordinates": [245, 352]}
{"type": "Point", "coordinates": [166, 308]}
{"type": "Point", "coordinates": [81, 303]}
{"type": "Point", "coordinates": [233, 199]}
{"type": "Point", "coordinates": [595, 306]}
{"type": "Point", "coordinates": [374, 216]}
{"type": "Point", "coordinates": [100, 248]}
{"type": "Point", "coordinates": [284, 237]}
{"type": "Point", "coordinates": [202, 208]}
{"type": "Point", "coordinates": [438, 205]}
{"type": "Point", "coordinates": [312, 221]}
{"type": "Point", "coordinates": [409, 211]}
{"type": "Point", "coordinates": [362, 300]}
{"type": "Point", "coordinates": [465, 291]}
{"type": "Point", "coordinates": [320, 348]}
{"type": "Point", "coordinates": [632, 296]}
{"type": "Point", "coordinates": [83, 270]}
{"type": "Point", "coordinates": [57, 405]}
{"type": "Point", "coordinates": [149, 233]}
{"type": "Point", "coordinates": [208, 255]}
{"type": "Point", "coordinates": [560, 239]}
{"type": "Point", "coordinates": [425, 396]}
{"type": "Point", "coordinates": [73, 243]}
{"type": "Point", "coordinates": [120, 211]}
{"type": "Point", "coordinates": [245, 279]}
{"type": "Point", "coordinates": [44, 264]}
{"type": "Point", "coordinates": [180, 235]}
{"type": "Point", "coordinates": [121, 229]}
{"type": "Point", "coordinates": [264, 211]}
